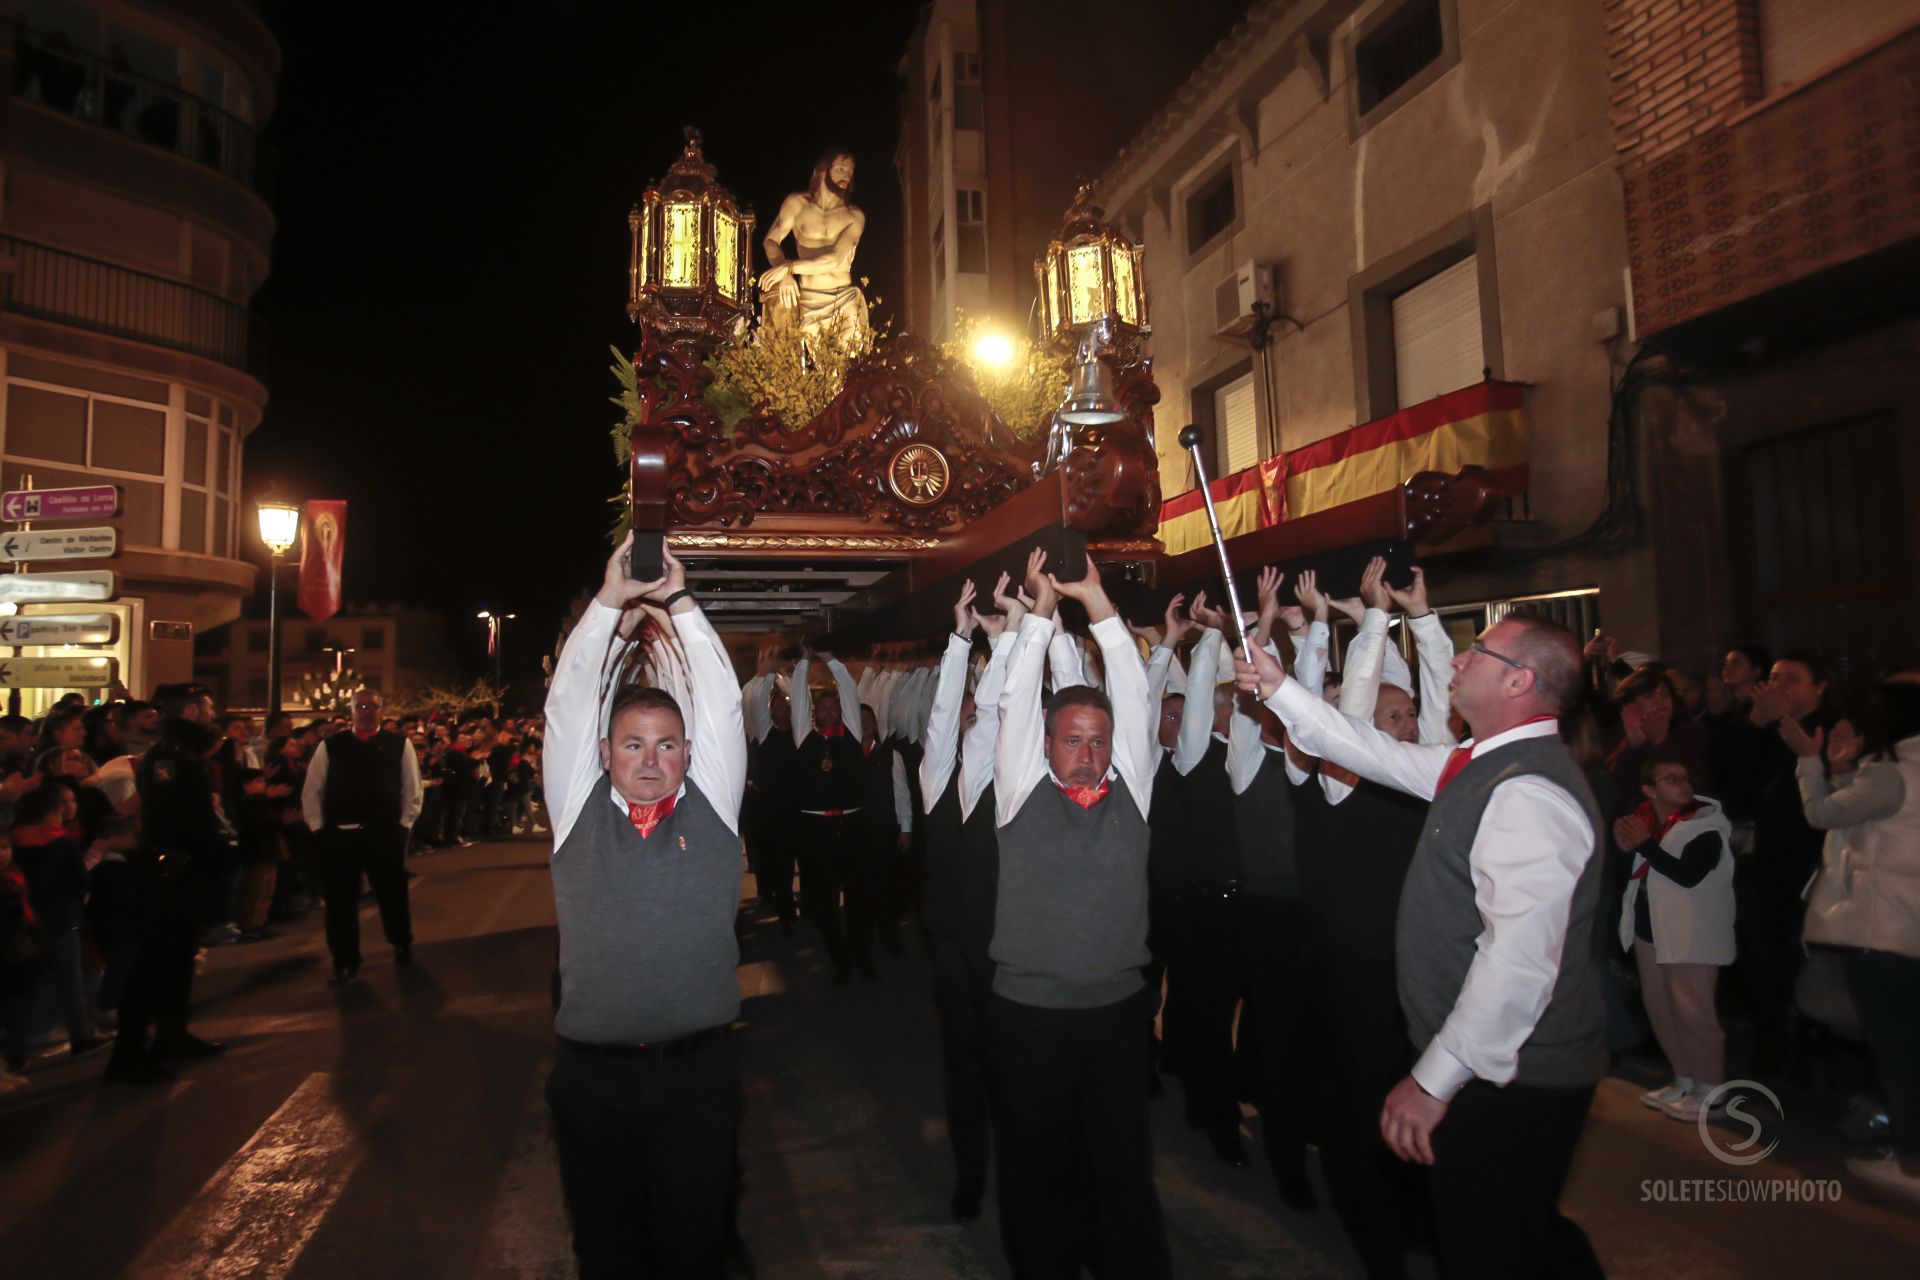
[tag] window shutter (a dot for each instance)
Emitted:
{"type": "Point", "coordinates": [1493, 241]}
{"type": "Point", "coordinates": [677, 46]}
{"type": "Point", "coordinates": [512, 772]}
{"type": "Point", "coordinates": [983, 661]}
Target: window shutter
{"type": "Point", "coordinates": [1436, 335]}
{"type": "Point", "coordinates": [1237, 425]}
{"type": "Point", "coordinates": [1801, 38]}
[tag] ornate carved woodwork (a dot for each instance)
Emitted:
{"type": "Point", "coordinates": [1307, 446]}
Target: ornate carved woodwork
{"type": "Point", "coordinates": [1111, 476]}
{"type": "Point", "coordinates": [1435, 506]}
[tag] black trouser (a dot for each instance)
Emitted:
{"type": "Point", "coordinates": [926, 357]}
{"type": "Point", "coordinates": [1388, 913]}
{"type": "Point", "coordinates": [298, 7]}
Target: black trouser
{"type": "Point", "coordinates": [962, 991]}
{"type": "Point", "coordinates": [770, 848]}
{"type": "Point", "coordinates": [1500, 1158]}
{"type": "Point", "coordinates": [1069, 1089]}
{"type": "Point", "coordinates": [829, 849]}
{"type": "Point", "coordinates": [1886, 992]}
{"type": "Point", "coordinates": [1278, 1020]}
{"type": "Point", "coordinates": [380, 854]}
{"type": "Point", "coordinates": [1361, 1053]}
{"type": "Point", "coordinates": [647, 1159]}
{"type": "Point", "coordinates": [1206, 964]}
{"type": "Point", "coordinates": [1165, 920]}
{"type": "Point", "coordinates": [870, 887]}
{"type": "Point", "coordinates": [160, 984]}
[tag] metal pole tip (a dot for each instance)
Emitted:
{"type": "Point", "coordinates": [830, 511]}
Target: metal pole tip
{"type": "Point", "coordinates": [1190, 437]}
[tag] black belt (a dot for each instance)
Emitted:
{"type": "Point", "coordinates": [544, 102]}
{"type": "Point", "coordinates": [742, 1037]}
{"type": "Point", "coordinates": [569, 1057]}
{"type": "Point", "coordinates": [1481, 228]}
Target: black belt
{"type": "Point", "coordinates": [664, 1051]}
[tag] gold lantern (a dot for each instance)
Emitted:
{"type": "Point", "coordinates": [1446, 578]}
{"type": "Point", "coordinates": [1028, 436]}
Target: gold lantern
{"type": "Point", "coordinates": [690, 276]}
{"type": "Point", "coordinates": [1091, 274]}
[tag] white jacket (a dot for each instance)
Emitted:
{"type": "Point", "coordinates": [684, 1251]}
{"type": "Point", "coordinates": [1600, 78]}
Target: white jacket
{"type": "Point", "coordinates": [1690, 926]}
{"type": "Point", "coordinates": [1867, 891]}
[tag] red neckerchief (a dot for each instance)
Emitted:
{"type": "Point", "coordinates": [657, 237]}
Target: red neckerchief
{"type": "Point", "coordinates": [39, 833]}
{"type": "Point", "coordinates": [1660, 829]}
{"type": "Point", "coordinates": [1085, 797]}
{"type": "Point", "coordinates": [366, 737]}
{"type": "Point", "coordinates": [866, 748]}
{"type": "Point", "coordinates": [1462, 755]}
{"type": "Point", "coordinates": [836, 731]}
{"type": "Point", "coordinates": [16, 881]}
{"type": "Point", "coordinates": [648, 816]}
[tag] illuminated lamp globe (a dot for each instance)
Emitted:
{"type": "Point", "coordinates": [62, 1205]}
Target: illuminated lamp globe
{"type": "Point", "coordinates": [279, 525]}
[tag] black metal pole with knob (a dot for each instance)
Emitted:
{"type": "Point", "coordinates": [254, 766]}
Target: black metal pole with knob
{"type": "Point", "coordinates": [1190, 440]}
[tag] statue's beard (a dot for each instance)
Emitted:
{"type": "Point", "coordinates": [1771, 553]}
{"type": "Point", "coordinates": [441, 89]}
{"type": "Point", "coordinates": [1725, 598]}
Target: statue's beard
{"type": "Point", "coordinates": [839, 189]}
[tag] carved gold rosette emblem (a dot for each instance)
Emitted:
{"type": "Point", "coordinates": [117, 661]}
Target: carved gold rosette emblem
{"type": "Point", "coordinates": [919, 474]}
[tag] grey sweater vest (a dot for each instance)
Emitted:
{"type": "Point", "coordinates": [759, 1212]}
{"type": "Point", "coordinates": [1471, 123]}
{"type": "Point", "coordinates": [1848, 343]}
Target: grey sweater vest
{"type": "Point", "coordinates": [647, 951]}
{"type": "Point", "coordinates": [1439, 923]}
{"type": "Point", "coordinates": [1070, 920]}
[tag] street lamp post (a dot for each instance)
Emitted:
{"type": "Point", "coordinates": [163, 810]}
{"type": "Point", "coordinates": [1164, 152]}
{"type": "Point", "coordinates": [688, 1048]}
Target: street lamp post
{"type": "Point", "coordinates": [279, 527]}
{"type": "Point", "coordinates": [496, 635]}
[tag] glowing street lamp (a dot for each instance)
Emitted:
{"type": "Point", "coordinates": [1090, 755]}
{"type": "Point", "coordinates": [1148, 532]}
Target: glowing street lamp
{"type": "Point", "coordinates": [279, 529]}
{"type": "Point", "coordinates": [993, 351]}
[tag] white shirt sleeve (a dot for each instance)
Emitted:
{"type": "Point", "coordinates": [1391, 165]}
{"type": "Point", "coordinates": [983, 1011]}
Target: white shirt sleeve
{"type": "Point", "coordinates": [800, 703]}
{"type": "Point", "coordinates": [1366, 657]}
{"type": "Point", "coordinates": [755, 697]}
{"type": "Point", "coordinates": [1321, 731]}
{"type": "Point", "coordinates": [902, 795]}
{"type": "Point", "coordinates": [1533, 843]}
{"type": "Point", "coordinates": [849, 696]}
{"type": "Point", "coordinates": [1177, 676]}
{"type": "Point", "coordinates": [1310, 657]}
{"type": "Point", "coordinates": [977, 749]}
{"type": "Point", "coordinates": [1020, 751]}
{"type": "Point", "coordinates": [316, 787]}
{"type": "Point", "coordinates": [1159, 667]}
{"type": "Point", "coordinates": [410, 794]}
{"type": "Point", "coordinates": [941, 748]}
{"type": "Point", "coordinates": [717, 762]}
{"type": "Point", "coordinates": [1435, 654]}
{"type": "Point", "coordinates": [1134, 716]}
{"type": "Point", "coordinates": [1196, 722]}
{"type": "Point", "coordinates": [575, 715]}
{"type": "Point", "coordinates": [1065, 662]}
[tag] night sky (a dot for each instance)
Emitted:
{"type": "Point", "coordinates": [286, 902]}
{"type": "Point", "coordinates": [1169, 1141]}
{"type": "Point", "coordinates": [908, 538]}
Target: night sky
{"type": "Point", "coordinates": [452, 190]}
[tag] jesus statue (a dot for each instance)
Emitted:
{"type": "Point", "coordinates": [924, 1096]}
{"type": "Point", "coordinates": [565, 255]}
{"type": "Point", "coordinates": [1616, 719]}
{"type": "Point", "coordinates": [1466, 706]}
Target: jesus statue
{"type": "Point", "coordinates": [814, 289]}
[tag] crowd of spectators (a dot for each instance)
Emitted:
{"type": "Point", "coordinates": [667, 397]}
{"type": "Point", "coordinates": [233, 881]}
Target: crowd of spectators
{"type": "Point", "coordinates": [98, 860]}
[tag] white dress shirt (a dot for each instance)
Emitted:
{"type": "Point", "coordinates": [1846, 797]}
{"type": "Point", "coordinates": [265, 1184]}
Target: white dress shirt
{"type": "Point", "coordinates": [1020, 755]}
{"type": "Point", "coordinates": [1310, 656]}
{"type": "Point", "coordinates": [1366, 664]}
{"type": "Point", "coordinates": [313, 794]}
{"type": "Point", "coordinates": [1065, 662]}
{"type": "Point", "coordinates": [802, 698]}
{"type": "Point", "coordinates": [1533, 843]}
{"type": "Point", "coordinates": [1196, 722]}
{"type": "Point", "coordinates": [584, 684]}
{"type": "Point", "coordinates": [943, 739]}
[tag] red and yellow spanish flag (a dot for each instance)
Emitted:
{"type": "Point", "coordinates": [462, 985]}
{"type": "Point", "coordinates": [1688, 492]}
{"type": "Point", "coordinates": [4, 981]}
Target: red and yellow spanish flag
{"type": "Point", "coordinates": [1481, 425]}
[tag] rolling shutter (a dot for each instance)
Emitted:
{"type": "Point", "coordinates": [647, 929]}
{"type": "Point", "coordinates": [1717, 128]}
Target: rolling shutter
{"type": "Point", "coordinates": [1436, 335]}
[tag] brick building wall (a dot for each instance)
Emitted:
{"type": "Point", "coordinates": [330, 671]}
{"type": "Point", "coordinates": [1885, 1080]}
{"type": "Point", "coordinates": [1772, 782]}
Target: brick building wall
{"type": "Point", "coordinates": [1678, 68]}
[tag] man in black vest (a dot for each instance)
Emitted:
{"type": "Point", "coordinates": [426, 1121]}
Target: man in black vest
{"type": "Point", "coordinates": [361, 797]}
{"type": "Point", "coordinates": [1504, 886]}
{"type": "Point", "coordinates": [831, 774]}
{"type": "Point", "coordinates": [886, 833]}
{"type": "Point", "coordinates": [1067, 1032]}
{"type": "Point", "coordinates": [645, 798]}
{"type": "Point", "coordinates": [773, 805]}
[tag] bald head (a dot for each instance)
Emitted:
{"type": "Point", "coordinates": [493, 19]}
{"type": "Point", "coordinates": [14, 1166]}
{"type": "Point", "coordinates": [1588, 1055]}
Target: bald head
{"type": "Point", "coordinates": [1554, 656]}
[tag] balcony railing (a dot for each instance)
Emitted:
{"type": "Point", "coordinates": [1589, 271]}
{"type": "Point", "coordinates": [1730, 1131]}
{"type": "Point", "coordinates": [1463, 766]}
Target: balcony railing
{"type": "Point", "coordinates": [108, 93]}
{"type": "Point", "coordinates": [51, 284]}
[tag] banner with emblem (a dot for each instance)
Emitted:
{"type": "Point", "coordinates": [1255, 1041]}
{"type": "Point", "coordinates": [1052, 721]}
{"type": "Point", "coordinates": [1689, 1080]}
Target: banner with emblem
{"type": "Point", "coordinates": [323, 544]}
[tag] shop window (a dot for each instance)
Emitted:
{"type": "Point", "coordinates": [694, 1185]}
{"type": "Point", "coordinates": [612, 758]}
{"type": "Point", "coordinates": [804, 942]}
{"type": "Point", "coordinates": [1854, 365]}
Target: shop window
{"type": "Point", "coordinates": [129, 438]}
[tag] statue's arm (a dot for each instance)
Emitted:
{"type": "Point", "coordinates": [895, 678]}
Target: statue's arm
{"type": "Point", "coordinates": [841, 259]}
{"type": "Point", "coordinates": [781, 228]}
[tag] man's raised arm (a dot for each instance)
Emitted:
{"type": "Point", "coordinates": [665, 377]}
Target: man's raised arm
{"type": "Point", "coordinates": [941, 747]}
{"type": "Point", "coordinates": [1020, 754]}
{"type": "Point", "coordinates": [716, 732]}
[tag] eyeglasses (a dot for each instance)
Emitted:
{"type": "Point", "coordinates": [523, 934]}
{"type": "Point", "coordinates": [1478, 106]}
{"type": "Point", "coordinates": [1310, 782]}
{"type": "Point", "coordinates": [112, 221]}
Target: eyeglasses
{"type": "Point", "coordinates": [1477, 647]}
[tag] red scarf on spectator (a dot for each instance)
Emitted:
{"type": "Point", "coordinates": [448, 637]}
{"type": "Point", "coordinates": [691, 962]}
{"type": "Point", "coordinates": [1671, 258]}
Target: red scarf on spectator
{"type": "Point", "coordinates": [1085, 797]}
{"type": "Point", "coordinates": [1645, 814]}
{"type": "Point", "coordinates": [16, 882]}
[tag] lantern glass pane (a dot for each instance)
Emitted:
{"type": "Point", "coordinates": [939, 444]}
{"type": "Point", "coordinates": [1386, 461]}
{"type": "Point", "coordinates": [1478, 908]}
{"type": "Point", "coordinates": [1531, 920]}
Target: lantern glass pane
{"type": "Point", "coordinates": [680, 259]}
{"type": "Point", "coordinates": [726, 255]}
{"type": "Point", "coordinates": [647, 273]}
{"type": "Point", "coordinates": [1086, 300]}
{"type": "Point", "coordinates": [1051, 299]}
{"type": "Point", "coordinates": [1125, 296]}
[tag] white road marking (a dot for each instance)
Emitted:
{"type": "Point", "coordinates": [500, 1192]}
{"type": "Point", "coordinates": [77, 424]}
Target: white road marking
{"type": "Point", "coordinates": [255, 1216]}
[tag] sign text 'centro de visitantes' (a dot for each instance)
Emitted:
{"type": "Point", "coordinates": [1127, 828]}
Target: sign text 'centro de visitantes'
{"type": "Point", "coordinates": [84, 502]}
{"type": "Point", "coordinates": [59, 544]}
{"type": "Point", "coordinates": [71, 587]}
{"type": "Point", "coordinates": [57, 673]}
{"type": "Point", "coordinates": [60, 628]}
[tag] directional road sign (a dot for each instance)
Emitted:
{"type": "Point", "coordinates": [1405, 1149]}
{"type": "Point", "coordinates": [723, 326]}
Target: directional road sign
{"type": "Point", "coordinates": [60, 628]}
{"type": "Point", "coordinates": [60, 504]}
{"type": "Point", "coordinates": [57, 673]}
{"type": "Point", "coordinates": [64, 588]}
{"type": "Point", "coordinates": [59, 544]}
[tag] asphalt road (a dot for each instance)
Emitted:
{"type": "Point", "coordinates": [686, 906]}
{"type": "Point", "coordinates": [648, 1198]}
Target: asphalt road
{"type": "Point", "coordinates": [395, 1128]}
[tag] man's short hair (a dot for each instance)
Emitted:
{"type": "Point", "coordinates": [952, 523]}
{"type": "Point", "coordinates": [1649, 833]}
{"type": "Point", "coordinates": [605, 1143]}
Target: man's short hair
{"type": "Point", "coordinates": [1816, 666]}
{"type": "Point", "coordinates": [1080, 695]}
{"type": "Point", "coordinates": [1644, 680]}
{"type": "Point", "coordinates": [1756, 655]}
{"type": "Point", "coordinates": [176, 699]}
{"type": "Point", "coordinates": [15, 724]}
{"type": "Point", "coordinates": [1550, 651]}
{"type": "Point", "coordinates": [646, 698]}
{"type": "Point", "coordinates": [1661, 760]}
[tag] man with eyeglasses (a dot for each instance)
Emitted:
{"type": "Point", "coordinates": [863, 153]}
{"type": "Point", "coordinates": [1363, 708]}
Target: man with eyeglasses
{"type": "Point", "coordinates": [361, 797]}
{"type": "Point", "coordinates": [1504, 882]}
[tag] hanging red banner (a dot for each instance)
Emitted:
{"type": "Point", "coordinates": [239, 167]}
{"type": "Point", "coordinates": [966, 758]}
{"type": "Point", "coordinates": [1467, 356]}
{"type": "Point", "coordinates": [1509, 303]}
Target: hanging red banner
{"type": "Point", "coordinates": [323, 546]}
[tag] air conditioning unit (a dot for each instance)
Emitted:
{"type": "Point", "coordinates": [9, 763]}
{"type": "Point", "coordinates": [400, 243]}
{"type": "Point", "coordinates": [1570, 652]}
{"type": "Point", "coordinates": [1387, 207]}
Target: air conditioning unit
{"type": "Point", "coordinates": [1235, 296]}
